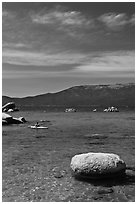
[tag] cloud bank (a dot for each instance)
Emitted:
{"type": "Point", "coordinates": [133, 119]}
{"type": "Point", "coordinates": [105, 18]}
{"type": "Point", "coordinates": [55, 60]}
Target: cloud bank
{"type": "Point", "coordinates": [67, 43]}
{"type": "Point", "coordinates": [115, 21]}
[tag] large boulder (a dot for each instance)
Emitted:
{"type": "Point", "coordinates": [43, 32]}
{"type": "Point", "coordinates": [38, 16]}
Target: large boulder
{"type": "Point", "coordinates": [19, 120]}
{"type": "Point", "coordinates": [22, 119]}
{"type": "Point", "coordinates": [7, 119]}
{"type": "Point", "coordinates": [10, 105]}
{"type": "Point", "coordinates": [16, 121]}
{"type": "Point", "coordinates": [97, 165]}
{"type": "Point", "coordinates": [10, 110]}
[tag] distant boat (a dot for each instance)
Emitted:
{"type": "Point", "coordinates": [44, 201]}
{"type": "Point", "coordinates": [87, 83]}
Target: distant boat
{"type": "Point", "coordinates": [37, 127]}
{"type": "Point", "coordinates": [111, 109]}
{"type": "Point", "coordinates": [70, 110]}
{"type": "Point", "coordinates": [95, 110]}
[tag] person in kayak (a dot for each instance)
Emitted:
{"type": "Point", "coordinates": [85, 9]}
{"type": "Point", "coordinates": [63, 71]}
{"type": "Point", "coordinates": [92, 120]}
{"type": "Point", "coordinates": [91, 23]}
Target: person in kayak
{"type": "Point", "coordinates": [37, 124]}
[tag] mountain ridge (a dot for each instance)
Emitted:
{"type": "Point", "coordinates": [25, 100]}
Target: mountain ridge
{"type": "Point", "coordinates": [121, 95]}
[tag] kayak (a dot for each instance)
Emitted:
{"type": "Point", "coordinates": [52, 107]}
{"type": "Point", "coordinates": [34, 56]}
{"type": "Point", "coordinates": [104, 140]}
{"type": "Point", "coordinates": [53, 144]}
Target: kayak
{"type": "Point", "coordinates": [39, 127]}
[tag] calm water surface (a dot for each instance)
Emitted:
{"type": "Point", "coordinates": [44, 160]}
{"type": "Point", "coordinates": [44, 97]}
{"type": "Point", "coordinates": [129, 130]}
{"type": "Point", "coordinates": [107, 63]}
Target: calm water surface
{"type": "Point", "coordinates": [36, 163]}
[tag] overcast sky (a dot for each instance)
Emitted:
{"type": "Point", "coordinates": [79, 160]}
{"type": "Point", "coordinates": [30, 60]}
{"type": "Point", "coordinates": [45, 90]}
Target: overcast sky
{"type": "Point", "coordinates": [48, 47]}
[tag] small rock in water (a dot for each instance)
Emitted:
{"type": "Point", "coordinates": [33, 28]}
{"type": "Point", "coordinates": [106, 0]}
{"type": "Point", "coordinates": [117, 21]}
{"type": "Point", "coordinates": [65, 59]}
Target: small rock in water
{"type": "Point", "coordinates": [105, 191]}
{"type": "Point", "coordinates": [97, 165]}
{"type": "Point", "coordinates": [4, 122]}
{"type": "Point", "coordinates": [97, 197]}
{"type": "Point", "coordinates": [58, 173]}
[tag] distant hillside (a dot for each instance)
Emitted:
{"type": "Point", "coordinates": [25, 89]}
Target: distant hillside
{"type": "Point", "coordinates": [119, 95]}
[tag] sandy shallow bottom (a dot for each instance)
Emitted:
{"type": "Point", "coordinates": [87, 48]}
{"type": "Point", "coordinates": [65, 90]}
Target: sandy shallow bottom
{"type": "Point", "coordinates": [36, 163]}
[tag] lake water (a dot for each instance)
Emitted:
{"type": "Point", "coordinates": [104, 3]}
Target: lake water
{"type": "Point", "coordinates": [36, 163]}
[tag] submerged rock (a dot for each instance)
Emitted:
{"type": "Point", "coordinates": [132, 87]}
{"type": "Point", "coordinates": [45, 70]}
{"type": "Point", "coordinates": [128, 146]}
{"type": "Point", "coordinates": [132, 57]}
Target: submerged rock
{"type": "Point", "coordinates": [97, 165]}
